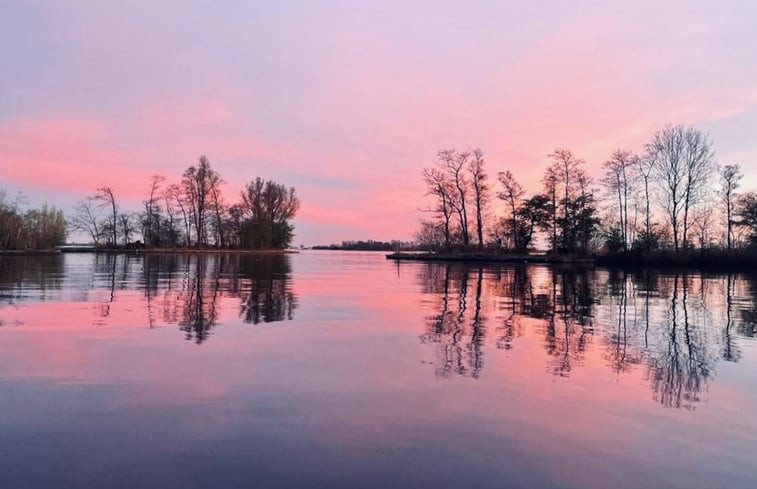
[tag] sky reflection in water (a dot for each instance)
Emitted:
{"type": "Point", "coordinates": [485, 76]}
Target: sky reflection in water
{"type": "Point", "coordinates": [328, 369]}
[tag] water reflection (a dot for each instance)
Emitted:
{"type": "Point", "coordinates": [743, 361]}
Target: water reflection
{"type": "Point", "coordinates": [542, 372]}
{"type": "Point", "coordinates": [458, 332]}
{"type": "Point", "coordinates": [20, 274]}
{"type": "Point", "coordinates": [171, 289]}
{"type": "Point", "coordinates": [674, 326]}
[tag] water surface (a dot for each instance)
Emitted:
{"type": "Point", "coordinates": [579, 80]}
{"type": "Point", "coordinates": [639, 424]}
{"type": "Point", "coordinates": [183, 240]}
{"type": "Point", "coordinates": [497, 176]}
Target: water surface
{"type": "Point", "coordinates": [329, 369]}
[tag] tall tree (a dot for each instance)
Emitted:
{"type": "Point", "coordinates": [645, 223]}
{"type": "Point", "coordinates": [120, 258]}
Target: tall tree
{"type": "Point", "coordinates": [152, 214]}
{"type": "Point", "coordinates": [175, 194]}
{"type": "Point", "coordinates": [480, 184]}
{"type": "Point", "coordinates": [645, 165]}
{"type": "Point", "coordinates": [438, 186]}
{"type": "Point", "coordinates": [455, 163]}
{"type": "Point", "coordinates": [730, 177]}
{"type": "Point", "coordinates": [684, 163]}
{"type": "Point", "coordinates": [667, 149]}
{"type": "Point", "coordinates": [511, 193]}
{"type": "Point", "coordinates": [618, 178]}
{"type": "Point", "coordinates": [105, 196]}
{"type": "Point", "coordinates": [126, 222]}
{"type": "Point", "coordinates": [219, 209]}
{"type": "Point", "coordinates": [198, 184]}
{"type": "Point", "coordinates": [550, 181]}
{"type": "Point", "coordinates": [700, 165]}
{"type": "Point", "coordinates": [567, 179]}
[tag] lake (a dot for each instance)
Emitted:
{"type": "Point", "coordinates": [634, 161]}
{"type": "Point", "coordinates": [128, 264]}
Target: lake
{"type": "Point", "coordinates": [344, 369]}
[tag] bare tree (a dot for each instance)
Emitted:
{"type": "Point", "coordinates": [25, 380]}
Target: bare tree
{"type": "Point", "coordinates": [700, 165]}
{"type": "Point", "coordinates": [430, 235]}
{"type": "Point", "coordinates": [511, 193]}
{"type": "Point", "coordinates": [667, 149]}
{"type": "Point", "coordinates": [106, 198]}
{"type": "Point", "coordinates": [702, 223]}
{"type": "Point", "coordinates": [198, 182]}
{"type": "Point", "coordinates": [455, 164]}
{"type": "Point", "coordinates": [730, 177]}
{"type": "Point", "coordinates": [480, 184]}
{"type": "Point", "coordinates": [219, 209]}
{"type": "Point", "coordinates": [175, 194]}
{"type": "Point", "coordinates": [86, 219]}
{"type": "Point", "coordinates": [439, 187]}
{"type": "Point", "coordinates": [126, 222]}
{"type": "Point", "coordinates": [644, 168]}
{"type": "Point", "coordinates": [151, 206]}
{"type": "Point", "coordinates": [684, 162]}
{"type": "Point", "coordinates": [618, 177]}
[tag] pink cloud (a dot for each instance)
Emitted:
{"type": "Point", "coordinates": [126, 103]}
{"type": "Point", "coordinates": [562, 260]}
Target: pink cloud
{"type": "Point", "coordinates": [359, 112]}
{"type": "Point", "coordinates": [73, 153]}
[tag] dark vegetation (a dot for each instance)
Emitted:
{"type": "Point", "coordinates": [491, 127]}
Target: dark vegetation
{"type": "Point", "coordinates": [30, 229]}
{"type": "Point", "coordinates": [369, 245]}
{"type": "Point", "coordinates": [192, 214]}
{"type": "Point", "coordinates": [189, 214]}
{"type": "Point", "coordinates": [670, 204]}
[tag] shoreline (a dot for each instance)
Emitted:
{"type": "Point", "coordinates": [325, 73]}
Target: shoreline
{"type": "Point", "coordinates": [139, 251]}
{"type": "Point", "coordinates": [736, 261]}
{"type": "Point", "coordinates": [189, 251]}
{"type": "Point", "coordinates": [29, 252]}
{"type": "Point", "coordinates": [484, 257]}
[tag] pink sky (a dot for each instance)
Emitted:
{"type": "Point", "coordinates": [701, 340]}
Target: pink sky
{"type": "Point", "coordinates": [348, 103]}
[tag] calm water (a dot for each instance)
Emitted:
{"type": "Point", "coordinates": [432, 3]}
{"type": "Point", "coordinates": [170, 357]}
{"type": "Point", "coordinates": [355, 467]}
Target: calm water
{"type": "Point", "coordinates": [327, 369]}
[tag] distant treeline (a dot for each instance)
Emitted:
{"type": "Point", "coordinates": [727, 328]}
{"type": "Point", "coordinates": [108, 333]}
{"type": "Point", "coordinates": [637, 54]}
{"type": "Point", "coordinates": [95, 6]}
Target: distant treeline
{"type": "Point", "coordinates": [192, 213]}
{"type": "Point", "coordinates": [669, 200]}
{"type": "Point", "coordinates": [368, 245]}
{"type": "Point", "coordinates": [30, 229]}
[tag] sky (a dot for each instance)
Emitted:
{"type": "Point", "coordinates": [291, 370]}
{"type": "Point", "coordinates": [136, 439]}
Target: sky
{"type": "Point", "coordinates": [348, 101]}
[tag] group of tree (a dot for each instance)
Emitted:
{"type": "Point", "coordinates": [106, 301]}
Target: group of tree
{"type": "Point", "coordinates": [192, 213]}
{"type": "Point", "coordinates": [672, 196]}
{"type": "Point", "coordinates": [565, 210]}
{"type": "Point", "coordinates": [29, 229]}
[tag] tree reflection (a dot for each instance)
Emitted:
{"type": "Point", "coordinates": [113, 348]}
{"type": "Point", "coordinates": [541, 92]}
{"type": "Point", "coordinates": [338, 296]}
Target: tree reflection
{"type": "Point", "coordinates": [620, 352]}
{"type": "Point", "coordinates": [17, 272]}
{"type": "Point", "coordinates": [187, 290]}
{"type": "Point", "coordinates": [262, 284]}
{"type": "Point", "coordinates": [457, 331]}
{"type": "Point", "coordinates": [673, 327]}
{"type": "Point", "coordinates": [569, 326]}
{"type": "Point", "coordinates": [681, 367]}
{"type": "Point", "coordinates": [266, 290]}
